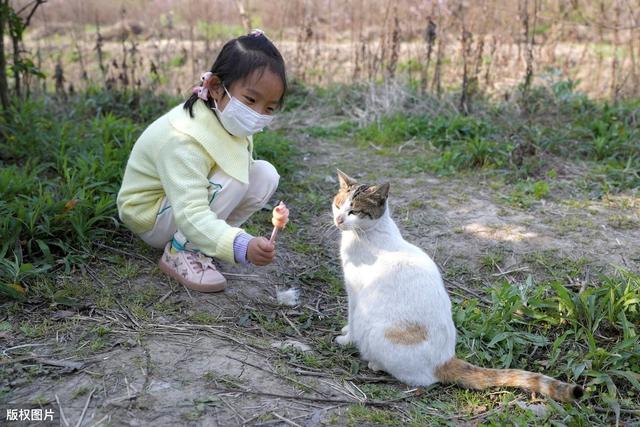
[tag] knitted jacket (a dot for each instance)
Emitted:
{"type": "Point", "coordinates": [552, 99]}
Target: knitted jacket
{"type": "Point", "coordinates": [174, 157]}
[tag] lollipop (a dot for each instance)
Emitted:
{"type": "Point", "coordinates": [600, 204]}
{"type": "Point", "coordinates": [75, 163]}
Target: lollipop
{"type": "Point", "coordinates": [279, 219]}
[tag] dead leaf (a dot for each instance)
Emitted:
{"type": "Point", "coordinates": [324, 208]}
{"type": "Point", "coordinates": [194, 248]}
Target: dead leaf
{"type": "Point", "coordinates": [70, 204]}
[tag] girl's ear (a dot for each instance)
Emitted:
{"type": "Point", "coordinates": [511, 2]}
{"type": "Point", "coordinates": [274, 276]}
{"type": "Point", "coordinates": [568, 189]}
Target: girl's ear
{"type": "Point", "coordinates": [214, 84]}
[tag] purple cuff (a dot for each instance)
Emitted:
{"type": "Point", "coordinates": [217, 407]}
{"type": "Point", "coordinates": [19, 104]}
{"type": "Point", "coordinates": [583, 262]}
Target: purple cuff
{"type": "Point", "coordinates": [240, 246]}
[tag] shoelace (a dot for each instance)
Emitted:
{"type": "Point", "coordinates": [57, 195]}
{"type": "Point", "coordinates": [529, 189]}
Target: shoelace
{"type": "Point", "coordinates": [200, 262]}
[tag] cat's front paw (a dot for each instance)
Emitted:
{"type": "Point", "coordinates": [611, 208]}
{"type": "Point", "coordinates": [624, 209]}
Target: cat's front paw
{"type": "Point", "coordinates": [374, 366]}
{"type": "Point", "coordinates": [345, 330]}
{"type": "Point", "coordinates": [343, 339]}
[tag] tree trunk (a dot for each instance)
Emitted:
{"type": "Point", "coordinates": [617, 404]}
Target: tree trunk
{"type": "Point", "coordinates": [4, 15]}
{"type": "Point", "coordinates": [15, 42]}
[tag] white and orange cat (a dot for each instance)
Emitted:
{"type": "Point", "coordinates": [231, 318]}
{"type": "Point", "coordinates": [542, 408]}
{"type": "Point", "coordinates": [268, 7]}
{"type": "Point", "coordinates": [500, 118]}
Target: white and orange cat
{"type": "Point", "coordinates": [399, 310]}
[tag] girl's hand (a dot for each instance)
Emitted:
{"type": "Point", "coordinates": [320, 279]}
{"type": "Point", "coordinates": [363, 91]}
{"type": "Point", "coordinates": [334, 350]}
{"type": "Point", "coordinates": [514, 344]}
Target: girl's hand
{"type": "Point", "coordinates": [260, 251]}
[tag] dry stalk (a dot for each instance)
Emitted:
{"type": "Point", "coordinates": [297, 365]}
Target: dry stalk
{"type": "Point", "coordinates": [58, 76]}
{"type": "Point", "coordinates": [360, 54]}
{"type": "Point", "coordinates": [133, 51]}
{"type": "Point", "coordinates": [436, 84]}
{"type": "Point", "coordinates": [634, 67]}
{"type": "Point", "coordinates": [467, 41]}
{"type": "Point", "coordinates": [380, 58]}
{"type": "Point", "coordinates": [528, 24]}
{"type": "Point", "coordinates": [488, 82]}
{"type": "Point", "coordinates": [474, 84]}
{"type": "Point", "coordinates": [39, 63]}
{"type": "Point", "coordinates": [99, 52]}
{"type": "Point", "coordinates": [524, 16]}
{"type": "Point", "coordinates": [76, 42]}
{"type": "Point", "coordinates": [244, 16]}
{"type": "Point", "coordinates": [305, 34]}
{"type": "Point", "coordinates": [395, 45]}
{"type": "Point", "coordinates": [430, 36]}
{"type": "Point", "coordinates": [124, 75]}
{"type": "Point", "coordinates": [615, 87]}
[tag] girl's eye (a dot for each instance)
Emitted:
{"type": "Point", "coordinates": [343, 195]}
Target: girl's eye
{"type": "Point", "coordinates": [249, 99]}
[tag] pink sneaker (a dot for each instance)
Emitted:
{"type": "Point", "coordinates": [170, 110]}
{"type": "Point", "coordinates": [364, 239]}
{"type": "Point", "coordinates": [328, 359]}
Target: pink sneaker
{"type": "Point", "coordinates": [192, 270]}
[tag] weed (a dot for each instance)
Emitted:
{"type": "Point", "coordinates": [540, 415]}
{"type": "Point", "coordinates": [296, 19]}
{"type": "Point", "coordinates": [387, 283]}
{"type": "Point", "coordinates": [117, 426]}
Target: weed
{"type": "Point", "coordinates": [341, 130]}
{"type": "Point", "coordinates": [623, 222]}
{"type": "Point", "coordinates": [588, 336]}
{"type": "Point", "coordinates": [203, 318]}
{"type": "Point", "coordinates": [358, 415]}
{"type": "Point", "coordinates": [527, 193]}
{"type": "Point", "coordinates": [277, 149]}
{"type": "Point", "coordinates": [59, 193]}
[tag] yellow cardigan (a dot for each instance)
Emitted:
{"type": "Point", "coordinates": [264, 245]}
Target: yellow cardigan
{"type": "Point", "coordinates": [174, 157]}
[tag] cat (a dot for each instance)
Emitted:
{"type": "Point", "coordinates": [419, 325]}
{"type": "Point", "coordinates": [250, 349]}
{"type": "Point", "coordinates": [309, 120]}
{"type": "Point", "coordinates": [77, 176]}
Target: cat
{"type": "Point", "coordinates": [399, 314]}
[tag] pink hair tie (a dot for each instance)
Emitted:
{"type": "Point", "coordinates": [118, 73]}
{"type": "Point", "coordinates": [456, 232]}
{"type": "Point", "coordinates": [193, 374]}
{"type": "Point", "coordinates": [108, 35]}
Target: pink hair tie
{"type": "Point", "coordinates": [256, 32]}
{"type": "Point", "coordinates": [203, 91]}
{"type": "Point", "coordinates": [206, 76]}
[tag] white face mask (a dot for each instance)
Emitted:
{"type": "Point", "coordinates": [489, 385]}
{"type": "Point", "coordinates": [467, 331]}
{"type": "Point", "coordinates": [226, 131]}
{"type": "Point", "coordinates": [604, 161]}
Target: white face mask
{"type": "Point", "coordinates": [239, 119]}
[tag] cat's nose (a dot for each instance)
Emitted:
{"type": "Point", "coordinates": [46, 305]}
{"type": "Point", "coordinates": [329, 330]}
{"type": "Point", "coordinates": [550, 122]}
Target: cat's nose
{"type": "Point", "coordinates": [339, 219]}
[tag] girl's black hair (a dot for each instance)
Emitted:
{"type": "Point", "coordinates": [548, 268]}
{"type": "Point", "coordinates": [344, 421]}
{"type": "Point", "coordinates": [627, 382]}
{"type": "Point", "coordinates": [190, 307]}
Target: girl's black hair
{"type": "Point", "coordinates": [239, 58]}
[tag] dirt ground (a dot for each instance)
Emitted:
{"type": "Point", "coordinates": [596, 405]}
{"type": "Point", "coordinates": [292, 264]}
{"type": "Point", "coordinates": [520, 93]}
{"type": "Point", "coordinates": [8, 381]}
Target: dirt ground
{"type": "Point", "coordinates": [139, 350]}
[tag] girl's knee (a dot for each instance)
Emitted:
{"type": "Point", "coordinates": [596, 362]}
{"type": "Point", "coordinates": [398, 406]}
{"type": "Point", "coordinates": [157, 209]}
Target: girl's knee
{"type": "Point", "coordinates": [262, 169]}
{"type": "Point", "coordinates": [264, 176]}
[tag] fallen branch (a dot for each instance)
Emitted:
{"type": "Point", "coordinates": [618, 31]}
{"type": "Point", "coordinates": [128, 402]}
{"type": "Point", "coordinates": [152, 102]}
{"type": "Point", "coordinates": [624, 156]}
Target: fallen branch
{"type": "Point", "coordinates": [366, 402]}
{"type": "Point", "coordinates": [84, 410]}
{"type": "Point", "coordinates": [69, 364]}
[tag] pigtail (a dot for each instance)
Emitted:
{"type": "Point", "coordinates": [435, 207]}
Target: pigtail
{"type": "Point", "coordinates": [201, 92]}
{"type": "Point", "coordinates": [189, 103]}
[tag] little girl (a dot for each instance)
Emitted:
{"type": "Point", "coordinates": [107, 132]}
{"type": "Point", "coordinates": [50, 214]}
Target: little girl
{"type": "Point", "coordinates": [191, 180]}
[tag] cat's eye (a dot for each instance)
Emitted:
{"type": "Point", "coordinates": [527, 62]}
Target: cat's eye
{"type": "Point", "coordinates": [352, 212]}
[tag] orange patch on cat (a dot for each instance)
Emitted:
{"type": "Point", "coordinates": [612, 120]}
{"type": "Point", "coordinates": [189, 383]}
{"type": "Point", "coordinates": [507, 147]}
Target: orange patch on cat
{"type": "Point", "coordinates": [339, 199]}
{"type": "Point", "coordinates": [406, 333]}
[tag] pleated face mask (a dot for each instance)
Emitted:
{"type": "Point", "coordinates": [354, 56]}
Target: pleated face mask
{"type": "Point", "coordinates": [240, 119]}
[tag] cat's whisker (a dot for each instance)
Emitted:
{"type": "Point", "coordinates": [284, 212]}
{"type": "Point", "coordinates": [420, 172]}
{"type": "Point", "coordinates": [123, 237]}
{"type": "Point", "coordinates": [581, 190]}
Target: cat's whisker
{"type": "Point", "coordinates": [329, 233]}
{"type": "Point", "coordinates": [324, 229]}
{"type": "Point", "coordinates": [327, 225]}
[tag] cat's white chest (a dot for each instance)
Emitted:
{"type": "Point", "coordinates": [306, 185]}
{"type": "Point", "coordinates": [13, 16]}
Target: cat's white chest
{"type": "Point", "coordinates": [355, 278]}
{"type": "Point", "coordinates": [361, 266]}
{"type": "Point", "coordinates": [362, 272]}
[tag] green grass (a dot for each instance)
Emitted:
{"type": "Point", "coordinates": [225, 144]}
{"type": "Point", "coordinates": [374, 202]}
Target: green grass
{"type": "Point", "coordinates": [589, 337]}
{"type": "Point", "coordinates": [561, 122]}
{"type": "Point", "coordinates": [62, 168]}
{"type": "Point", "coordinates": [277, 149]}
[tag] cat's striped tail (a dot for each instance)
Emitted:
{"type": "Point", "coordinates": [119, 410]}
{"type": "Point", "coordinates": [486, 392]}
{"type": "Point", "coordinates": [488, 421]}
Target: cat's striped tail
{"type": "Point", "coordinates": [465, 374]}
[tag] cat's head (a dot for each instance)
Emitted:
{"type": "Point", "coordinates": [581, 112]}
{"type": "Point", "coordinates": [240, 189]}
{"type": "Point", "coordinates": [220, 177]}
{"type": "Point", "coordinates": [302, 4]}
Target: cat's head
{"type": "Point", "coordinates": [358, 206]}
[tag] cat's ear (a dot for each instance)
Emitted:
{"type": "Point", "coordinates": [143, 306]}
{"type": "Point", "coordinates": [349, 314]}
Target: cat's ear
{"type": "Point", "coordinates": [379, 192]}
{"type": "Point", "coordinates": [345, 180]}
